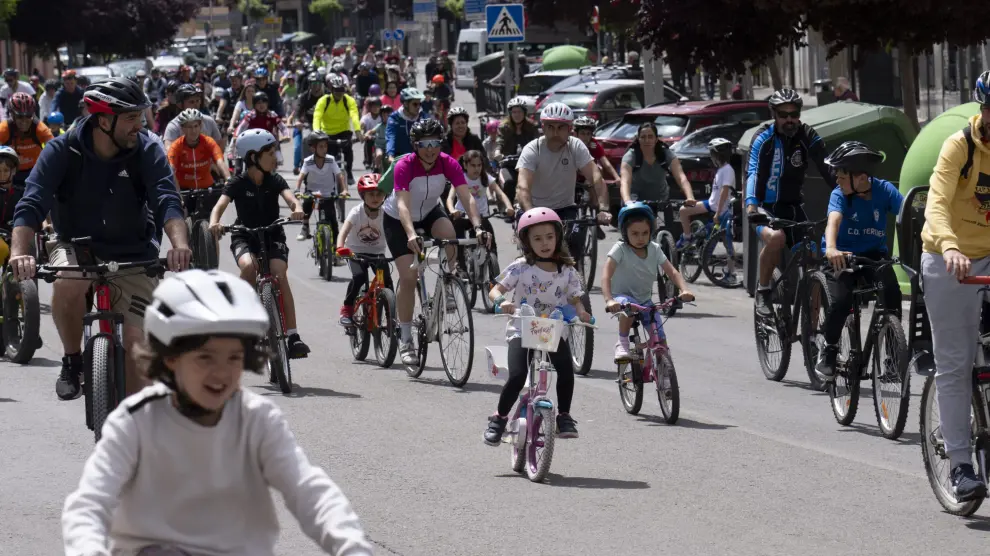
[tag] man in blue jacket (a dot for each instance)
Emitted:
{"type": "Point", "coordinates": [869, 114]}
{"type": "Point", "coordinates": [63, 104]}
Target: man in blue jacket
{"type": "Point", "coordinates": [397, 142]}
{"type": "Point", "coordinates": [108, 180]}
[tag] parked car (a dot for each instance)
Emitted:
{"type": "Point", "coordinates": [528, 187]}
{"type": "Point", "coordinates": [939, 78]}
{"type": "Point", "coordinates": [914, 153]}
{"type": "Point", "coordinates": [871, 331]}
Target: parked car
{"type": "Point", "coordinates": [603, 100]}
{"type": "Point", "coordinates": [167, 63]}
{"type": "Point", "coordinates": [537, 83]}
{"type": "Point", "coordinates": [129, 68]}
{"type": "Point", "coordinates": [674, 121]}
{"type": "Point", "coordinates": [601, 73]}
{"type": "Point", "coordinates": [95, 74]}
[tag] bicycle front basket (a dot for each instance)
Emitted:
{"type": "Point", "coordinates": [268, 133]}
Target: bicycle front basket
{"type": "Point", "coordinates": [542, 334]}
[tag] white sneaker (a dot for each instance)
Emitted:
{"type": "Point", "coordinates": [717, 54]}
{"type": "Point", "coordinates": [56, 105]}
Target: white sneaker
{"type": "Point", "coordinates": [408, 353]}
{"type": "Point", "coordinates": [622, 352]}
{"type": "Point", "coordinates": [730, 279]}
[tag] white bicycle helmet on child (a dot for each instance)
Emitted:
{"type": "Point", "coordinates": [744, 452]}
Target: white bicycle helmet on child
{"type": "Point", "coordinates": [557, 112]}
{"type": "Point", "coordinates": [516, 102]}
{"type": "Point", "coordinates": [252, 141]}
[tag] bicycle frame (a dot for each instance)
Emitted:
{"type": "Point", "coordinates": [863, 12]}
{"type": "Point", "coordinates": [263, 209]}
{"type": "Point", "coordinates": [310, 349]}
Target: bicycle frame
{"type": "Point", "coordinates": [857, 361]}
{"type": "Point", "coordinates": [653, 341]}
{"type": "Point", "coordinates": [803, 256]}
{"type": "Point", "coordinates": [265, 276]}
{"type": "Point", "coordinates": [370, 297]}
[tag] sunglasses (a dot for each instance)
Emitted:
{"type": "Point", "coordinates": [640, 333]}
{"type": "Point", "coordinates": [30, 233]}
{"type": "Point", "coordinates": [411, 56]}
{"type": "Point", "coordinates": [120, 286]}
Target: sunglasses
{"type": "Point", "coordinates": [416, 104]}
{"type": "Point", "coordinates": [429, 144]}
{"type": "Point", "coordinates": [794, 115]}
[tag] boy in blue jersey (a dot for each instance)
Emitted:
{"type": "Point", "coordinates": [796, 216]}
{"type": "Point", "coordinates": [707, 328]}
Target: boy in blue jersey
{"type": "Point", "coordinates": [857, 222]}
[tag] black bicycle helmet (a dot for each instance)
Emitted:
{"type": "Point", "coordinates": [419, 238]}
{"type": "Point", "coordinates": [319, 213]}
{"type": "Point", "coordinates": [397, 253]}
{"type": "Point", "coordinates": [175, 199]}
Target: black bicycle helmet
{"type": "Point", "coordinates": [855, 157]}
{"type": "Point", "coordinates": [185, 91]}
{"type": "Point", "coordinates": [11, 72]}
{"type": "Point", "coordinates": [785, 96]}
{"type": "Point", "coordinates": [981, 93]}
{"type": "Point", "coordinates": [457, 111]}
{"type": "Point", "coordinates": [584, 122]}
{"type": "Point", "coordinates": [52, 84]}
{"type": "Point", "coordinates": [171, 87]}
{"type": "Point", "coordinates": [117, 95]}
{"type": "Point", "coordinates": [426, 128]}
{"type": "Point", "coordinates": [316, 137]}
{"type": "Point", "coordinates": [260, 96]}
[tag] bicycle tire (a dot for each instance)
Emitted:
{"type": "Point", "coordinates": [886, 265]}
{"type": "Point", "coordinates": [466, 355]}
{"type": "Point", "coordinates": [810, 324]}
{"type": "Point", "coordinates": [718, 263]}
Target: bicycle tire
{"type": "Point", "coordinates": [326, 256]}
{"type": "Point", "coordinates": [933, 456]}
{"type": "Point", "coordinates": [813, 337]}
{"type": "Point", "coordinates": [710, 264]}
{"type": "Point", "coordinates": [278, 361]}
{"type": "Point", "coordinates": [517, 454]}
{"type": "Point", "coordinates": [419, 325]}
{"type": "Point", "coordinates": [474, 275]}
{"type": "Point", "coordinates": [386, 312]}
{"type": "Point", "coordinates": [776, 323]}
{"type": "Point", "coordinates": [630, 389]}
{"type": "Point", "coordinates": [591, 255]}
{"type": "Point", "coordinates": [668, 391]}
{"type": "Point", "coordinates": [457, 289]}
{"type": "Point", "coordinates": [538, 469]}
{"type": "Point", "coordinates": [666, 289]}
{"type": "Point", "coordinates": [207, 246]}
{"type": "Point", "coordinates": [844, 406]}
{"type": "Point", "coordinates": [317, 254]}
{"type": "Point", "coordinates": [341, 210]}
{"type": "Point", "coordinates": [361, 339]}
{"type": "Point", "coordinates": [690, 263]}
{"type": "Point", "coordinates": [582, 350]}
{"type": "Point", "coordinates": [101, 376]}
{"type": "Point", "coordinates": [491, 272]}
{"type": "Point", "coordinates": [21, 319]}
{"type": "Point", "coordinates": [891, 429]}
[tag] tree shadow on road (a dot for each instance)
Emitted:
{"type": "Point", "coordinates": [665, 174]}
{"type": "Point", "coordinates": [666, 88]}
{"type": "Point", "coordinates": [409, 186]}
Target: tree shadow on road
{"type": "Point", "coordinates": [657, 420]}
{"type": "Point", "coordinates": [591, 482]}
{"type": "Point", "coordinates": [305, 392]}
{"type": "Point", "coordinates": [803, 386]}
{"type": "Point", "coordinates": [7, 400]}
{"type": "Point", "coordinates": [600, 374]}
{"type": "Point", "coordinates": [44, 362]}
{"type": "Point", "coordinates": [691, 315]}
{"type": "Point", "coordinates": [467, 388]}
{"type": "Point", "coordinates": [873, 430]}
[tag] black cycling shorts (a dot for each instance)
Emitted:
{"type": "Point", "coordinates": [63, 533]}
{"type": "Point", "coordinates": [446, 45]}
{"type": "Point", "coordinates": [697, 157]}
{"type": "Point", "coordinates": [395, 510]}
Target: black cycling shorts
{"type": "Point", "coordinates": [787, 211]}
{"type": "Point", "coordinates": [241, 244]}
{"type": "Point", "coordinates": [395, 234]}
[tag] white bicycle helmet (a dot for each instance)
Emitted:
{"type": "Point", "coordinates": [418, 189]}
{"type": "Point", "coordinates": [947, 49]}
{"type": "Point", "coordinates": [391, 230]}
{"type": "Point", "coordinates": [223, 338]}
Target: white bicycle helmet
{"type": "Point", "coordinates": [719, 143]}
{"type": "Point", "coordinates": [204, 303]}
{"type": "Point", "coordinates": [189, 115]}
{"type": "Point", "coordinates": [335, 81]}
{"type": "Point", "coordinates": [557, 112]}
{"type": "Point", "coordinates": [516, 102]}
{"type": "Point", "coordinates": [253, 140]}
{"type": "Point", "coordinates": [9, 152]}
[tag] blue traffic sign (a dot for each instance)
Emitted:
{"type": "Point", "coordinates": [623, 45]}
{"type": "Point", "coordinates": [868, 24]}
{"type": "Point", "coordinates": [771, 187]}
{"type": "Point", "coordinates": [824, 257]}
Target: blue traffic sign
{"type": "Point", "coordinates": [474, 8]}
{"type": "Point", "coordinates": [399, 34]}
{"type": "Point", "coordinates": [505, 23]}
{"type": "Point", "coordinates": [387, 34]}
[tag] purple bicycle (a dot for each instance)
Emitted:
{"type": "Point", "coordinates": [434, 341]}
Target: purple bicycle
{"type": "Point", "coordinates": [650, 362]}
{"type": "Point", "coordinates": [531, 431]}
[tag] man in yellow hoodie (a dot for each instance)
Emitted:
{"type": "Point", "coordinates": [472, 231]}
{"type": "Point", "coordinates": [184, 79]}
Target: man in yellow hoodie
{"type": "Point", "coordinates": [956, 244]}
{"type": "Point", "coordinates": [336, 114]}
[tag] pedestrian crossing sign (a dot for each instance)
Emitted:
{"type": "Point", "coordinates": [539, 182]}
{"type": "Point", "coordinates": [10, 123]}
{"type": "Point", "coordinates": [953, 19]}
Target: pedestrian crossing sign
{"type": "Point", "coordinates": [505, 23]}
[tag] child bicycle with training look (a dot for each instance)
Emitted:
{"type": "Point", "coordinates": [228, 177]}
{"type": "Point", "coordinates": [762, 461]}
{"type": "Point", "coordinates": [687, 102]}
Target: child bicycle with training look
{"type": "Point", "coordinates": [631, 270]}
{"type": "Point", "coordinates": [545, 279]}
{"type": "Point", "coordinates": [362, 233]}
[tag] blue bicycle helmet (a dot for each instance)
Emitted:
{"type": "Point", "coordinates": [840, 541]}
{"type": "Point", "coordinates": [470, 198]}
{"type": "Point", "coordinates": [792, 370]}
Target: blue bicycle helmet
{"type": "Point", "coordinates": [981, 93]}
{"type": "Point", "coordinates": [261, 72]}
{"type": "Point", "coordinates": [633, 209]}
{"type": "Point", "coordinates": [55, 118]}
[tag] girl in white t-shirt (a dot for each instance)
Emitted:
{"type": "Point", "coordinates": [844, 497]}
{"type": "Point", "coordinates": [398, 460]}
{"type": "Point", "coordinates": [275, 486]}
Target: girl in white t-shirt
{"type": "Point", "coordinates": [545, 279]}
{"type": "Point", "coordinates": [362, 233]}
{"type": "Point", "coordinates": [480, 184]}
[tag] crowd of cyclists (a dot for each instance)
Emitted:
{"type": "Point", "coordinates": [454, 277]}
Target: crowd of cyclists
{"type": "Point", "coordinates": [110, 185]}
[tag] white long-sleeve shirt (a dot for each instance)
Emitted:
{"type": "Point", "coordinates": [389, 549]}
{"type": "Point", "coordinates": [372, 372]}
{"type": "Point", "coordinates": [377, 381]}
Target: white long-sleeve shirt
{"type": "Point", "coordinates": [158, 478]}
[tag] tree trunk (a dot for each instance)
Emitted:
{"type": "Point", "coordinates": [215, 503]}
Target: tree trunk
{"type": "Point", "coordinates": [906, 69]}
{"type": "Point", "coordinates": [776, 79]}
{"type": "Point", "coordinates": [723, 87]}
{"type": "Point", "coordinates": [695, 85]}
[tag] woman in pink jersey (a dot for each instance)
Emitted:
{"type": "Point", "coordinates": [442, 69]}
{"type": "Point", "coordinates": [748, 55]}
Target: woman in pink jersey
{"type": "Point", "coordinates": [420, 179]}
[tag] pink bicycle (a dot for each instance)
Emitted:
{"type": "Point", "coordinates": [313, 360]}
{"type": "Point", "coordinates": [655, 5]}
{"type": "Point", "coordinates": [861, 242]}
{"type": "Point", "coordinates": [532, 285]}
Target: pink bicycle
{"type": "Point", "coordinates": [650, 362]}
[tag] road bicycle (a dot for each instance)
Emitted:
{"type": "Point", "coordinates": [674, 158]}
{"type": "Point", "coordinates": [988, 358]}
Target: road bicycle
{"type": "Point", "coordinates": [374, 314]}
{"type": "Point", "coordinates": [104, 382]}
{"type": "Point", "coordinates": [793, 301]}
{"type": "Point", "coordinates": [650, 362]}
{"type": "Point", "coordinates": [532, 430]}
{"type": "Point", "coordinates": [885, 348]}
{"type": "Point", "coordinates": [444, 317]}
{"type": "Point", "coordinates": [481, 268]}
{"type": "Point", "coordinates": [582, 339]}
{"type": "Point", "coordinates": [205, 246]}
{"type": "Point", "coordinates": [666, 289]}
{"type": "Point", "coordinates": [269, 289]}
{"type": "Point", "coordinates": [21, 313]}
{"type": "Point", "coordinates": [323, 251]}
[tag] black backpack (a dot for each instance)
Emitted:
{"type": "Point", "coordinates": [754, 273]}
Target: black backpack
{"type": "Point", "coordinates": [970, 149]}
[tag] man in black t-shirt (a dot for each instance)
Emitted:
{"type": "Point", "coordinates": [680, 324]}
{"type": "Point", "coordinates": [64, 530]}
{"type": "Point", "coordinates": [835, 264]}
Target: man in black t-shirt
{"type": "Point", "coordinates": [255, 194]}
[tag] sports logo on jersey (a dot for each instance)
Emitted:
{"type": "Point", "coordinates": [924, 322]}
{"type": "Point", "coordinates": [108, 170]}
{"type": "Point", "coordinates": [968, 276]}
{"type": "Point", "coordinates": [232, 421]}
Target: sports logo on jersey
{"type": "Point", "coordinates": [876, 215]}
{"type": "Point", "coordinates": [855, 217]}
{"type": "Point", "coordinates": [797, 158]}
{"type": "Point", "coordinates": [564, 161]}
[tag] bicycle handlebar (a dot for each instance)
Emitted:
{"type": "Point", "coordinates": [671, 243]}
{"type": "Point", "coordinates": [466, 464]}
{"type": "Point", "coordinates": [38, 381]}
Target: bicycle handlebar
{"type": "Point", "coordinates": [276, 224]}
{"type": "Point", "coordinates": [320, 196]}
{"type": "Point", "coordinates": [573, 322]}
{"type": "Point", "coordinates": [976, 280]}
{"type": "Point", "coordinates": [438, 243]}
{"type": "Point", "coordinates": [856, 262]}
{"type": "Point", "coordinates": [199, 192]}
{"type": "Point", "coordinates": [154, 268]}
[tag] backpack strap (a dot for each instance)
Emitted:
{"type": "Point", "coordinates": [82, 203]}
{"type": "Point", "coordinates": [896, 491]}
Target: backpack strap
{"type": "Point", "coordinates": [970, 149]}
{"type": "Point", "coordinates": [75, 168]}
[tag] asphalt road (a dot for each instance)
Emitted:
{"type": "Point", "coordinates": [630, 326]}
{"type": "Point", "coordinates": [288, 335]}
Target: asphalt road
{"type": "Point", "coordinates": [752, 467]}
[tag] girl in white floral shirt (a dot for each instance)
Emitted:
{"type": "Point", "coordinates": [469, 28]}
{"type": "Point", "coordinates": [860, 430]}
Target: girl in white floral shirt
{"type": "Point", "coordinates": [545, 279]}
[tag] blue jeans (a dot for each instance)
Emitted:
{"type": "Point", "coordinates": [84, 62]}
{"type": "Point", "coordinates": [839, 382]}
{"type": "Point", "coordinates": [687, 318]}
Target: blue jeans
{"type": "Point", "coordinates": [297, 154]}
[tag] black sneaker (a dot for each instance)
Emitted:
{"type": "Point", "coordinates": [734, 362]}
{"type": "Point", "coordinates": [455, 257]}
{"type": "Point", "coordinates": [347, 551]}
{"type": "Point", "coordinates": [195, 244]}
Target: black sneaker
{"type": "Point", "coordinates": [297, 348]}
{"type": "Point", "coordinates": [68, 386]}
{"type": "Point", "coordinates": [966, 485]}
{"type": "Point", "coordinates": [826, 361]}
{"type": "Point", "coordinates": [495, 430]}
{"type": "Point", "coordinates": [566, 427]}
{"type": "Point", "coordinates": [763, 302]}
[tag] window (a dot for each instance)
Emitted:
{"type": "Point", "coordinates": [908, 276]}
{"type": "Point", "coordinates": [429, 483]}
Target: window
{"type": "Point", "coordinates": [467, 52]}
{"type": "Point", "coordinates": [743, 117]}
{"type": "Point", "coordinates": [627, 100]}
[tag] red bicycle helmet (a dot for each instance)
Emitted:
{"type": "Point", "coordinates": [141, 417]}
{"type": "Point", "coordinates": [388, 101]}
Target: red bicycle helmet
{"type": "Point", "coordinates": [368, 182]}
{"type": "Point", "coordinates": [22, 104]}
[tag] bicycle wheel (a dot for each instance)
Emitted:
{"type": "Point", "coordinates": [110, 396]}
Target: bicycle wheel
{"type": "Point", "coordinates": [581, 340]}
{"type": "Point", "coordinates": [317, 254]}
{"type": "Point", "coordinates": [665, 286]}
{"type": "Point", "coordinates": [937, 466]}
{"type": "Point", "coordinates": [419, 326]}
{"type": "Point", "coordinates": [278, 360]}
{"type": "Point", "coordinates": [539, 450]}
{"type": "Point", "coordinates": [384, 333]}
{"type": "Point", "coordinates": [891, 379]}
{"type": "Point", "coordinates": [326, 253]}
{"type": "Point", "coordinates": [715, 259]}
{"type": "Point", "coordinates": [490, 272]}
{"type": "Point", "coordinates": [474, 273]}
{"type": "Point", "coordinates": [817, 303]}
{"type": "Point", "coordinates": [360, 340]}
{"type": "Point", "coordinates": [630, 386]}
{"type": "Point", "coordinates": [773, 343]}
{"type": "Point", "coordinates": [21, 319]}
{"type": "Point", "coordinates": [206, 246]}
{"type": "Point", "coordinates": [341, 210]}
{"type": "Point", "coordinates": [690, 263]}
{"type": "Point", "coordinates": [456, 333]}
{"type": "Point", "coordinates": [590, 255]}
{"type": "Point", "coordinates": [101, 372]}
{"type": "Point", "coordinates": [668, 392]}
{"type": "Point", "coordinates": [843, 391]}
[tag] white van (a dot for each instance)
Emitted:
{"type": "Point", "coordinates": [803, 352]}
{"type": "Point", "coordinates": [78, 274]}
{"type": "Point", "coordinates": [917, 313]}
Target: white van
{"type": "Point", "coordinates": [472, 44]}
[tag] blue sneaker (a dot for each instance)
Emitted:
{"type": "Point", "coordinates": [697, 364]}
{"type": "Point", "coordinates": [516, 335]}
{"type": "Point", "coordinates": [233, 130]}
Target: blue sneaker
{"type": "Point", "coordinates": [682, 242]}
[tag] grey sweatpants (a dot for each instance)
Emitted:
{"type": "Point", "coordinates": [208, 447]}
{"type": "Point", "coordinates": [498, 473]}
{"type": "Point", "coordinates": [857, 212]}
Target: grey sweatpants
{"type": "Point", "coordinates": [954, 314]}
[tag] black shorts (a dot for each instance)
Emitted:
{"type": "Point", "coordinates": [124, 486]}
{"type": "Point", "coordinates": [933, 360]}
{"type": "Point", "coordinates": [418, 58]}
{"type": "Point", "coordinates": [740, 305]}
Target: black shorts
{"type": "Point", "coordinates": [241, 244]}
{"type": "Point", "coordinates": [786, 211]}
{"type": "Point", "coordinates": [395, 234]}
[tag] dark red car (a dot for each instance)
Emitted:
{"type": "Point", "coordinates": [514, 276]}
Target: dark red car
{"type": "Point", "coordinates": [676, 120]}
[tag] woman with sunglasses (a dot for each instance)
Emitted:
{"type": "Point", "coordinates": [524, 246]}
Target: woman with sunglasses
{"type": "Point", "coordinates": [415, 203]}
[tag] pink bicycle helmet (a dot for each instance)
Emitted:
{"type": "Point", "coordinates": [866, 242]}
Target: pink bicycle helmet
{"type": "Point", "coordinates": [538, 215]}
{"type": "Point", "coordinates": [491, 126]}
